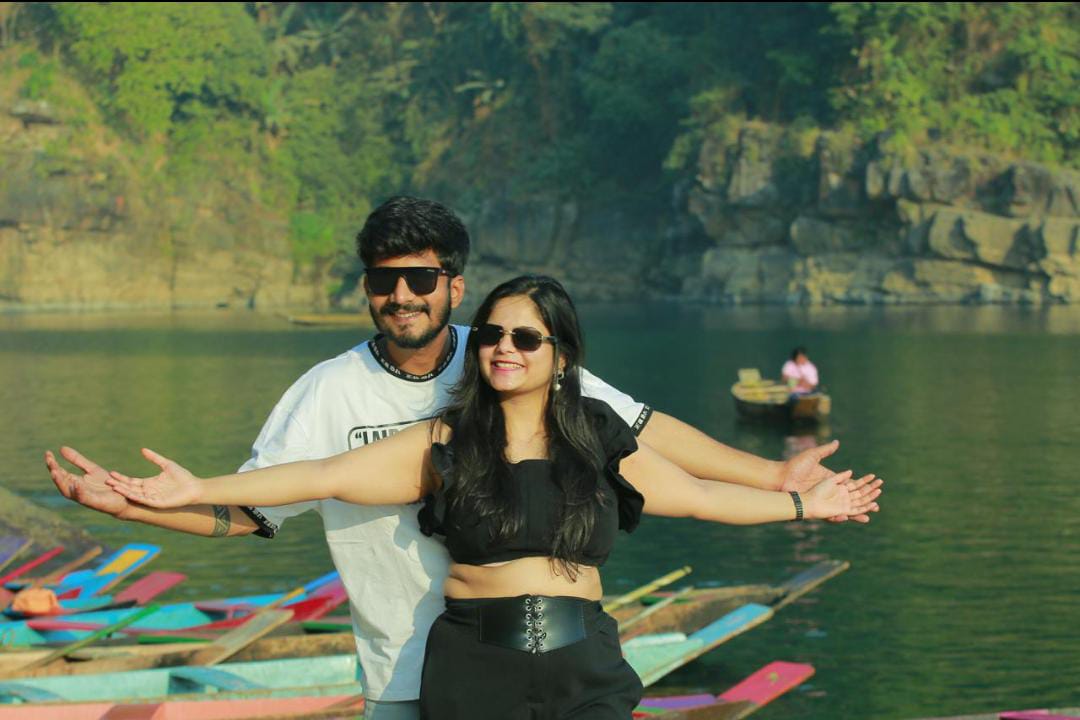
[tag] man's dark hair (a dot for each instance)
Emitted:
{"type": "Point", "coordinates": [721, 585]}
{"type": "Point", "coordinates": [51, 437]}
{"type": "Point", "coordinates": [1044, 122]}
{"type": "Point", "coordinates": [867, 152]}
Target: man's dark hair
{"type": "Point", "coordinates": [406, 225]}
{"type": "Point", "coordinates": [797, 352]}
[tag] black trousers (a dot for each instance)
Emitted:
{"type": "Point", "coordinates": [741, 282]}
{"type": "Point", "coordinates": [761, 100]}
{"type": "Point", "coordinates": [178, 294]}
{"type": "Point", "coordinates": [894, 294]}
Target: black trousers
{"type": "Point", "coordinates": [464, 677]}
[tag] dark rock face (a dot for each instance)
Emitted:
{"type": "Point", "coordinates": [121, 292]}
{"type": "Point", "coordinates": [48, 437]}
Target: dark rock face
{"type": "Point", "coordinates": [929, 226]}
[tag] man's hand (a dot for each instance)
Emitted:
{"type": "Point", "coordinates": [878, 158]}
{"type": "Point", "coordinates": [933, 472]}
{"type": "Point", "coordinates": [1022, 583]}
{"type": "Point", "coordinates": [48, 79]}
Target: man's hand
{"type": "Point", "coordinates": [805, 471]}
{"type": "Point", "coordinates": [173, 487]}
{"type": "Point", "coordinates": [89, 489]}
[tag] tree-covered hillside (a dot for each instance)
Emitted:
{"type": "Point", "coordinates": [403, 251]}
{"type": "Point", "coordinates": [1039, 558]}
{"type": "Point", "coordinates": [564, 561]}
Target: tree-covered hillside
{"type": "Point", "coordinates": [319, 110]}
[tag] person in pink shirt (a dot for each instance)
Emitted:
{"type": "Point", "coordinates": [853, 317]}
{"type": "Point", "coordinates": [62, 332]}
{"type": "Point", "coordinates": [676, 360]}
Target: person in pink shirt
{"type": "Point", "coordinates": [799, 373]}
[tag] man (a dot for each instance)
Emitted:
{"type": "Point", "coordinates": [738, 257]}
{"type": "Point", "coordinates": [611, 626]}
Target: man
{"type": "Point", "coordinates": [414, 252]}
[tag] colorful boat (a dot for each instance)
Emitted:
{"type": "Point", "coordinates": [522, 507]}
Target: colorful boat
{"type": "Point", "coordinates": [656, 647]}
{"type": "Point", "coordinates": [697, 623]}
{"type": "Point", "coordinates": [310, 677]}
{"type": "Point", "coordinates": [189, 617]}
{"type": "Point", "coordinates": [739, 701]}
{"type": "Point", "coordinates": [324, 706]}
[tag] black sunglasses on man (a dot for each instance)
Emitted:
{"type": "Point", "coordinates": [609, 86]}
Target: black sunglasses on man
{"type": "Point", "coordinates": [421, 280]}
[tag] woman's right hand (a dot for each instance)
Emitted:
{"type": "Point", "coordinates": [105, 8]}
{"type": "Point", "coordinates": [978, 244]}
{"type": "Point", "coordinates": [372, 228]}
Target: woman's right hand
{"type": "Point", "coordinates": [840, 495]}
{"type": "Point", "coordinates": [173, 487]}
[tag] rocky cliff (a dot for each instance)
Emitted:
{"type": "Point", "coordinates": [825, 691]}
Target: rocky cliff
{"type": "Point", "coordinates": [82, 226]}
{"type": "Point", "coordinates": [859, 223]}
{"type": "Point", "coordinates": [767, 216]}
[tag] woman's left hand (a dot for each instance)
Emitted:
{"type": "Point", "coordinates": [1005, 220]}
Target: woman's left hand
{"type": "Point", "coordinates": [840, 495]}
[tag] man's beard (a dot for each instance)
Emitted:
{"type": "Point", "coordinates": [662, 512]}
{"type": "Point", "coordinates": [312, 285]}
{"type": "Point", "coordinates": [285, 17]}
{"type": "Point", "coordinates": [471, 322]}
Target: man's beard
{"type": "Point", "coordinates": [440, 318]}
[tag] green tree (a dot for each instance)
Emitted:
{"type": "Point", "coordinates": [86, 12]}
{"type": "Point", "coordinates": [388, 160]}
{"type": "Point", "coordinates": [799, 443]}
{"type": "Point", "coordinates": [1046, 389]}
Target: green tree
{"type": "Point", "coordinates": [151, 62]}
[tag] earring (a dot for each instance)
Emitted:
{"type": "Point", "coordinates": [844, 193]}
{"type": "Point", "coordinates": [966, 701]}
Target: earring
{"type": "Point", "coordinates": [558, 380]}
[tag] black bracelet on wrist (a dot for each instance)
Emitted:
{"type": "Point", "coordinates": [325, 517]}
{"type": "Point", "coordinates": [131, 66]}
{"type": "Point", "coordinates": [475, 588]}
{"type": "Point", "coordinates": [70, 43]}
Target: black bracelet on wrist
{"type": "Point", "coordinates": [798, 505]}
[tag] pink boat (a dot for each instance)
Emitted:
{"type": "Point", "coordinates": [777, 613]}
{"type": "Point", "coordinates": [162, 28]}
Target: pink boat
{"type": "Point", "coordinates": [295, 707]}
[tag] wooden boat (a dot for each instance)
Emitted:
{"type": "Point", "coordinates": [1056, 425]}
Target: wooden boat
{"type": "Point", "coordinates": [697, 621]}
{"type": "Point", "coordinates": [694, 608]}
{"type": "Point", "coordinates": [337, 674]}
{"type": "Point", "coordinates": [340, 319]}
{"type": "Point", "coordinates": [294, 677]}
{"type": "Point", "coordinates": [294, 708]}
{"type": "Point", "coordinates": [739, 701]}
{"type": "Point", "coordinates": [770, 401]}
{"type": "Point", "coordinates": [318, 598]}
{"type": "Point", "coordinates": [285, 642]}
{"type": "Point", "coordinates": [683, 612]}
{"type": "Point", "coordinates": [1061, 714]}
{"type": "Point", "coordinates": [137, 593]}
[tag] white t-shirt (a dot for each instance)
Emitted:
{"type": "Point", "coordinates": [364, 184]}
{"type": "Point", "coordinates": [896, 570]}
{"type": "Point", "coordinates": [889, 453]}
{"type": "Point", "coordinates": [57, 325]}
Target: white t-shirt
{"type": "Point", "coordinates": [392, 572]}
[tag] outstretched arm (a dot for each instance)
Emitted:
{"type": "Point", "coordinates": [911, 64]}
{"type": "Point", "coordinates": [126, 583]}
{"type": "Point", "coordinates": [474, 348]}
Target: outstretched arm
{"type": "Point", "coordinates": [389, 472]}
{"type": "Point", "coordinates": [670, 491]}
{"type": "Point", "coordinates": [702, 457]}
{"type": "Point", "coordinates": [90, 489]}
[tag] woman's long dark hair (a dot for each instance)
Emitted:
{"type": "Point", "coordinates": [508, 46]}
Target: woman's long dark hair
{"type": "Point", "coordinates": [483, 484]}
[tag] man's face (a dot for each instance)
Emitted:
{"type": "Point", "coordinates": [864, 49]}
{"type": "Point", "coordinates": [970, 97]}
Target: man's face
{"type": "Point", "coordinates": [407, 319]}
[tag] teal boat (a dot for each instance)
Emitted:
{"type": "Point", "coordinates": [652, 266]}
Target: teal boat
{"type": "Point", "coordinates": [190, 616]}
{"type": "Point", "coordinates": [328, 675]}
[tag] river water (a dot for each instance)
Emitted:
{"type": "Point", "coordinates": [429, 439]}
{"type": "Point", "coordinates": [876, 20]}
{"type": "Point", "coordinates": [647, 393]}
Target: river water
{"type": "Point", "coordinates": [961, 592]}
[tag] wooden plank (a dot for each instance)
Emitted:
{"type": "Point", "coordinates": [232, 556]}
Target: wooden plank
{"type": "Point", "coordinates": [11, 548]}
{"type": "Point", "coordinates": [105, 659]}
{"type": "Point", "coordinates": [740, 700]}
{"type": "Point", "coordinates": [57, 574]}
{"type": "Point", "coordinates": [767, 684]}
{"type": "Point", "coordinates": [200, 679]}
{"type": "Point", "coordinates": [145, 711]}
{"type": "Point", "coordinates": [719, 711]}
{"type": "Point", "coordinates": [647, 588]}
{"type": "Point", "coordinates": [1072, 711]}
{"type": "Point", "coordinates": [27, 693]}
{"type": "Point", "coordinates": [148, 587]}
{"type": "Point", "coordinates": [232, 642]}
{"type": "Point", "coordinates": [809, 579]}
{"type": "Point", "coordinates": [113, 570]}
{"type": "Point", "coordinates": [28, 566]}
{"type": "Point", "coordinates": [90, 639]}
{"type": "Point", "coordinates": [630, 622]}
{"type": "Point", "coordinates": [1035, 715]}
{"type": "Point", "coordinates": [679, 702]}
{"type": "Point", "coordinates": [734, 623]}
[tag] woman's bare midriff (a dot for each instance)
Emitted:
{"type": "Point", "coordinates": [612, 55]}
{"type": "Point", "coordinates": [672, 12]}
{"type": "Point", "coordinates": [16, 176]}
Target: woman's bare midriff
{"type": "Point", "coordinates": [524, 576]}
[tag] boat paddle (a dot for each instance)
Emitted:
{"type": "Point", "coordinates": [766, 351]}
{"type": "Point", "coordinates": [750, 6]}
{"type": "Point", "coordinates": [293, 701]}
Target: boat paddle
{"type": "Point", "coordinates": [647, 588]}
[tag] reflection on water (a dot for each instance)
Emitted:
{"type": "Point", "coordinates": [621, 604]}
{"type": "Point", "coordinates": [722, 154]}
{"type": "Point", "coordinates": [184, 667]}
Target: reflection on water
{"type": "Point", "coordinates": [961, 593]}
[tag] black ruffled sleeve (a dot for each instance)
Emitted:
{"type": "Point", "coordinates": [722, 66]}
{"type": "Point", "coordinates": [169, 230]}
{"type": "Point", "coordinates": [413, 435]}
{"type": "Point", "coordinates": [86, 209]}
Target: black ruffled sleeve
{"type": "Point", "coordinates": [432, 515]}
{"type": "Point", "coordinates": [617, 441]}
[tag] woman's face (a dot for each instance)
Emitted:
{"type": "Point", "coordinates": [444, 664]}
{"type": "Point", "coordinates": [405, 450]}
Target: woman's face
{"type": "Point", "coordinates": [511, 371]}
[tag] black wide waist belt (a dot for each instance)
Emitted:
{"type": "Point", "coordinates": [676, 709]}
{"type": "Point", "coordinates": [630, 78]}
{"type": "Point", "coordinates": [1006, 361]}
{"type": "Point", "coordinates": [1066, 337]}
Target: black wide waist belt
{"type": "Point", "coordinates": [533, 623]}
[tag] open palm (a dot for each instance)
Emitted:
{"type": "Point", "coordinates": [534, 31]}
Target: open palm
{"type": "Point", "coordinates": [90, 489]}
{"type": "Point", "coordinates": [173, 487]}
{"type": "Point", "coordinates": [805, 470]}
{"type": "Point", "coordinates": [840, 495]}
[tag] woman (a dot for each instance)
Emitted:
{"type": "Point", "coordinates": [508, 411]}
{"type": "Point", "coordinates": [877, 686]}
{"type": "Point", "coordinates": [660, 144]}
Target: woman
{"type": "Point", "coordinates": [799, 374]}
{"type": "Point", "coordinates": [528, 482]}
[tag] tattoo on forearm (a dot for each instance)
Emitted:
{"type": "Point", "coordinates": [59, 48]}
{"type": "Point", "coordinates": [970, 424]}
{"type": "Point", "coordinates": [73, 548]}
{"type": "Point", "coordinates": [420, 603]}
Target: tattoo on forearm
{"type": "Point", "coordinates": [221, 521]}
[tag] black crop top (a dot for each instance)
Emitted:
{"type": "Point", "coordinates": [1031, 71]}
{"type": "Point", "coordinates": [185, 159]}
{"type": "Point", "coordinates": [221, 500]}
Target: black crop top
{"type": "Point", "coordinates": [469, 538]}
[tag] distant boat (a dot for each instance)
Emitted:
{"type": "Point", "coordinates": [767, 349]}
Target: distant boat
{"type": "Point", "coordinates": [332, 319]}
{"type": "Point", "coordinates": [770, 401]}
